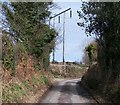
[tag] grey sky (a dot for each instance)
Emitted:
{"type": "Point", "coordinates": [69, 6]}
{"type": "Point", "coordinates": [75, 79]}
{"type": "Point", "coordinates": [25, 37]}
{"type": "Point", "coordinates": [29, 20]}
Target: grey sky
{"type": "Point", "coordinates": [75, 37]}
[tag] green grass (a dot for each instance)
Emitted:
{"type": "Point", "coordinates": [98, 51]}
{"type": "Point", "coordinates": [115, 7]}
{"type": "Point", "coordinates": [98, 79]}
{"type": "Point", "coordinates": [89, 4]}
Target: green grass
{"type": "Point", "coordinates": [12, 93]}
{"type": "Point", "coordinates": [27, 86]}
{"type": "Point", "coordinates": [15, 92]}
{"type": "Point", "coordinates": [83, 65]}
{"type": "Point", "coordinates": [44, 80]}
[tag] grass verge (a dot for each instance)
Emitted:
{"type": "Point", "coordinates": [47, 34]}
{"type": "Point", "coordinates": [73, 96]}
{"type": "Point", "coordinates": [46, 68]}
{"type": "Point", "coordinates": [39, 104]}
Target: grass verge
{"type": "Point", "coordinates": [19, 91]}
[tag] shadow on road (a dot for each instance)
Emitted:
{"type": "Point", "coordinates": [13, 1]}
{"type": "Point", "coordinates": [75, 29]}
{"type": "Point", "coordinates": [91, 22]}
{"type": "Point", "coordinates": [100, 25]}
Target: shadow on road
{"type": "Point", "coordinates": [69, 89]}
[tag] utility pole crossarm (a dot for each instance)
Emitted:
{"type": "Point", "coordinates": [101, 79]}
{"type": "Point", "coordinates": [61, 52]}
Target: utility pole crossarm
{"type": "Point", "coordinates": [60, 13]}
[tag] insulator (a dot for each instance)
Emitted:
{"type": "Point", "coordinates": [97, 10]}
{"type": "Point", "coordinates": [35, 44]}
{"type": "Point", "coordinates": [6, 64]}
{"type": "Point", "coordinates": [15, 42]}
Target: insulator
{"type": "Point", "coordinates": [70, 13]}
{"type": "Point", "coordinates": [58, 19]}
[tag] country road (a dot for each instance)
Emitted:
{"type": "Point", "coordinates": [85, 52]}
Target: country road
{"type": "Point", "coordinates": [67, 91]}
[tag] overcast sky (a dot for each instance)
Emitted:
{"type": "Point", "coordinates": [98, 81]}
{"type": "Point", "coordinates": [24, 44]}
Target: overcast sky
{"type": "Point", "coordinates": [75, 37]}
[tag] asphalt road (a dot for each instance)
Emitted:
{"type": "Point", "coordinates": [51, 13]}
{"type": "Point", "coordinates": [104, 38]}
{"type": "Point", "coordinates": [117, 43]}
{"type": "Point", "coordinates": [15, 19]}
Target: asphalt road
{"type": "Point", "coordinates": [67, 91]}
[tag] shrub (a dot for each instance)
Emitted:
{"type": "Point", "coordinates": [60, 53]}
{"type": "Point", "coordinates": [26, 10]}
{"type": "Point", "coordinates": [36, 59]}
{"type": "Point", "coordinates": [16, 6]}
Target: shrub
{"type": "Point", "coordinates": [92, 83]}
{"type": "Point", "coordinates": [113, 94]}
{"type": "Point", "coordinates": [44, 80]}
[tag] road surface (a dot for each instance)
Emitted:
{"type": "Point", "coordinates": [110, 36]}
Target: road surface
{"type": "Point", "coordinates": [67, 91]}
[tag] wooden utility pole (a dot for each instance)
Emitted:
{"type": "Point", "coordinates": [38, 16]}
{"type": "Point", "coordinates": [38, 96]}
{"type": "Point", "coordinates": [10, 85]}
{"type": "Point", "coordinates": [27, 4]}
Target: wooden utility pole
{"type": "Point", "coordinates": [53, 17]}
{"type": "Point", "coordinates": [64, 38]}
{"type": "Point", "coordinates": [54, 40]}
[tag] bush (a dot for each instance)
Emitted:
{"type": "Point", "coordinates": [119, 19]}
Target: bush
{"type": "Point", "coordinates": [8, 52]}
{"type": "Point", "coordinates": [44, 80]}
{"type": "Point", "coordinates": [113, 94]}
{"type": "Point", "coordinates": [92, 83]}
